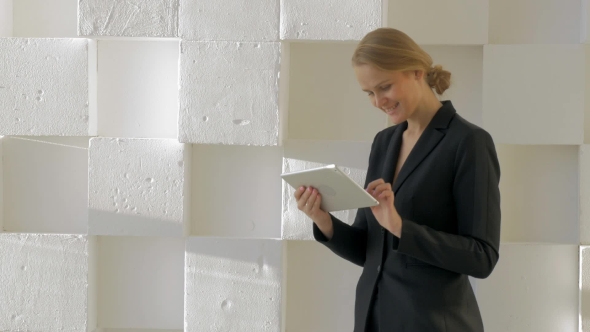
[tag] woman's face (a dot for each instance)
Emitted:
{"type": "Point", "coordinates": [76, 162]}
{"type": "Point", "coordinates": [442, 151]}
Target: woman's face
{"type": "Point", "coordinates": [395, 93]}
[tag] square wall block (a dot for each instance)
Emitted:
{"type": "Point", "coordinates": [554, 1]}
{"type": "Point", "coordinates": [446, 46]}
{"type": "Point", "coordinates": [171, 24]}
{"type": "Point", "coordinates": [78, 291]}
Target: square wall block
{"type": "Point", "coordinates": [585, 27]}
{"type": "Point", "coordinates": [320, 287]}
{"type": "Point", "coordinates": [2, 139]}
{"type": "Point", "coordinates": [534, 288]}
{"type": "Point", "coordinates": [539, 190]}
{"type": "Point", "coordinates": [44, 283]}
{"type": "Point", "coordinates": [584, 288]}
{"type": "Point", "coordinates": [139, 187]}
{"type": "Point", "coordinates": [354, 154]}
{"type": "Point", "coordinates": [330, 19]}
{"type": "Point", "coordinates": [114, 18]}
{"type": "Point", "coordinates": [535, 22]}
{"type": "Point", "coordinates": [525, 105]}
{"type": "Point", "coordinates": [584, 199]}
{"type": "Point", "coordinates": [229, 93]}
{"type": "Point", "coordinates": [295, 224]}
{"type": "Point", "coordinates": [136, 330]}
{"type": "Point", "coordinates": [234, 285]}
{"type": "Point", "coordinates": [138, 88]}
{"type": "Point", "coordinates": [47, 87]}
{"type": "Point", "coordinates": [229, 20]}
{"type": "Point", "coordinates": [44, 19]}
{"type": "Point", "coordinates": [140, 283]}
{"type": "Point", "coordinates": [326, 101]}
{"type": "Point", "coordinates": [6, 18]}
{"type": "Point", "coordinates": [466, 66]}
{"type": "Point", "coordinates": [466, 21]}
{"type": "Point", "coordinates": [236, 191]}
{"type": "Point", "coordinates": [45, 185]}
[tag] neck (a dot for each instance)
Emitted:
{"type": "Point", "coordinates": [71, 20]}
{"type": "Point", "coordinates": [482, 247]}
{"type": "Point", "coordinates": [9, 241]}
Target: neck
{"type": "Point", "coordinates": [423, 114]}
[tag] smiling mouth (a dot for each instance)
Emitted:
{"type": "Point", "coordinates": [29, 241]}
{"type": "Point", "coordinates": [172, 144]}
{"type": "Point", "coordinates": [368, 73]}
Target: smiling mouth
{"type": "Point", "coordinates": [392, 109]}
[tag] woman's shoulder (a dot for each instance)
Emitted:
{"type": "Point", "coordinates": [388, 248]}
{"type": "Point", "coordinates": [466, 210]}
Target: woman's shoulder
{"type": "Point", "coordinates": [461, 129]}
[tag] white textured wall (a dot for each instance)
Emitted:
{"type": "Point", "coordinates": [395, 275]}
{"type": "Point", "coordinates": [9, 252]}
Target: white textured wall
{"type": "Point", "coordinates": [142, 143]}
{"type": "Point", "coordinates": [43, 282]}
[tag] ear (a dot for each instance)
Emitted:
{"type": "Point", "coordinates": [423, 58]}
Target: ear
{"type": "Point", "coordinates": [418, 74]}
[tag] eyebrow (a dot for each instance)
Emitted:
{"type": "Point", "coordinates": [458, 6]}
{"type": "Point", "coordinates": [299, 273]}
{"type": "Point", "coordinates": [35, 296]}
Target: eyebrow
{"type": "Point", "coordinates": [378, 84]}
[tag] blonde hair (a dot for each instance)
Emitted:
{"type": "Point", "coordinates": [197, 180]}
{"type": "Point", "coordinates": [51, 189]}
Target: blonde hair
{"type": "Point", "coordinates": [392, 50]}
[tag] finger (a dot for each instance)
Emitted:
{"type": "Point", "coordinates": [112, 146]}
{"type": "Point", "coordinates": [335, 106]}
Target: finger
{"type": "Point", "coordinates": [303, 198]}
{"type": "Point", "coordinates": [385, 194]}
{"type": "Point", "coordinates": [311, 200]}
{"type": "Point", "coordinates": [298, 192]}
{"type": "Point", "coordinates": [317, 203]}
{"type": "Point", "coordinates": [371, 186]}
{"type": "Point", "coordinates": [381, 187]}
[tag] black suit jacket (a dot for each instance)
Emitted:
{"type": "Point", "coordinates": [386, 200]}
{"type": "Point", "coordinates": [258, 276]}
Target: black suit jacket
{"type": "Point", "coordinates": [447, 194]}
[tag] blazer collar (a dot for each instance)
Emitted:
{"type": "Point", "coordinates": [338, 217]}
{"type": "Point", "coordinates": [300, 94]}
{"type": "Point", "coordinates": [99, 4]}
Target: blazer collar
{"type": "Point", "coordinates": [432, 134]}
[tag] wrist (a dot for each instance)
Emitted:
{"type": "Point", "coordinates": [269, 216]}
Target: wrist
{"type": "Point", "coordinates": [396, 228]}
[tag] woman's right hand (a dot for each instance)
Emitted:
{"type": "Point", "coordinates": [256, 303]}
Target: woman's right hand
{"type": "Point", "coordinates": [308, 201]}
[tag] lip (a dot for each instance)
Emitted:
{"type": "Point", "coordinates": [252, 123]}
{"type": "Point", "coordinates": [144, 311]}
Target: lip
{"type": "Point", "coordinates": [393, 111]}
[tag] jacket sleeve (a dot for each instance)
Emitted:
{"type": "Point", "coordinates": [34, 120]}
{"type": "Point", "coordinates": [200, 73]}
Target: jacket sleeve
{"type": "Point", "coordinates": [474, 250]}
{"type": "Point", "coordinates": [349, 241]}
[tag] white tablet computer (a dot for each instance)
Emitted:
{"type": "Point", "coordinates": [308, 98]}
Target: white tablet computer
{"type": "Point", "coordinates": [338, 190]}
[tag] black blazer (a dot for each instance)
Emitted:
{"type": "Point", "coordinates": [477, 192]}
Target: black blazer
{"type": "Point", "coordinates": [447, 193]}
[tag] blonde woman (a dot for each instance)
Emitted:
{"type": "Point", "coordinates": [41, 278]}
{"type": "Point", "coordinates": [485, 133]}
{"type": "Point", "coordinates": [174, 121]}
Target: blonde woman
{"type": "Point", "coordinates": [436, 177]}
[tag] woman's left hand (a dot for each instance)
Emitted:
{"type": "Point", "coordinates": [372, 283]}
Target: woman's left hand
{"type": "Point", "coordinates": [385, 212]}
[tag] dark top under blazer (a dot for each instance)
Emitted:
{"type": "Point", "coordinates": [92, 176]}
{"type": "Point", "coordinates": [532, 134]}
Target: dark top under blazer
{"type": "Point", "coordinates": [447, 193]}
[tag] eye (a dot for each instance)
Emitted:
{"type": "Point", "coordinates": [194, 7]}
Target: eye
{"type": "Point", "coordinates": [369, 93]}
{"type": "Point", "coordinates": [386, 87]}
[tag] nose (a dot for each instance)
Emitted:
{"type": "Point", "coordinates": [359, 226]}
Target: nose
{"type": "Point", "coordinates": [380, 101]}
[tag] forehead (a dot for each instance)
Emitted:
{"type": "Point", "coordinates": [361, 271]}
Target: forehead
{"type": "Point", "coordinates": [369, 76]}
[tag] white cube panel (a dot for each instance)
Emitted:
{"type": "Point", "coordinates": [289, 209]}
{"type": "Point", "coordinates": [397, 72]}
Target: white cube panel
{"type": "Point", "coordinates": [354, 154]}
{"type": "Point", "coordinates": [296, 225]}
{"type": "Point", "coordinates": [539, 190]}
{"type": "Point", "coordinates": [525, 105]}
{"type": "Point", "coordinates": [44, 87]}
{"type": "Point", "coordinates": [584, 199]}
{"type": "Point", "coordinates": [330, 19]}
{"type": "Point", "coordinates": [138, 187]}
{"type": "Point", "coordinates": [326, 101]}
{"type": "Point", "coordinates": [45, 185]}
{"type": "Point", "coordinates": [138, 88]}
{"type": "Point", "coordinates": [585, 27]}
{"type": "Point", "coordinates": [1, 185]}
{"type": "Point", "coordinates": [584, 288]}
{"type": "Point", "coordinates": [152, 18]}
{"type": "Point", "coordinates": [44, 282]}
{"type": "Point", "coordinates": [320, 288]}
{"type": "Point", "coordinates": [534, 288]}
{"type": "Point", "coordinates": [6, 18]}
{"type": "Point", "coordinates": [232, 20]}
{"type": "Point", "coordinates": [137, 330]}
{"type": "Point", "coordinates": [229, 186]}
{"type": "Point", "coordinates": [534, 21]}
{"type": "Point", "coordinates": [233, 285]}
{"type": "Point", "coordinates": [229, 93]}
{"type": "Point", "coordinates": [44, 19]}
{"type": "Point", "coordinates": [586, 122]}
{"type": "Point", "coordinates": [466, 20]}
{"type": "Point", "coordinates": [140, 282]}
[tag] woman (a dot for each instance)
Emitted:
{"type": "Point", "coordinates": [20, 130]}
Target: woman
{"type": "Point", "coordinates": [436, 177]}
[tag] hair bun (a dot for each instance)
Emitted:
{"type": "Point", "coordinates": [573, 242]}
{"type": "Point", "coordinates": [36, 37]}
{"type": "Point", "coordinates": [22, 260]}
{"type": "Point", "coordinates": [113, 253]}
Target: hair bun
{"type": "Point", "coordinates": [439, 79]}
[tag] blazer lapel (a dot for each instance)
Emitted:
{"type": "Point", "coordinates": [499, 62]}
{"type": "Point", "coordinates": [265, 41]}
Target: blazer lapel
{"type": "Point", "coordinates": [392, 154]}
{"type": "Point", "coordinates": [426, 143]}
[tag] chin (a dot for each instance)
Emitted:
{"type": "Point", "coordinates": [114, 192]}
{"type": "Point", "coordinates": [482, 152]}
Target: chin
{"type": "Point", "coordinates": [397, 118]}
